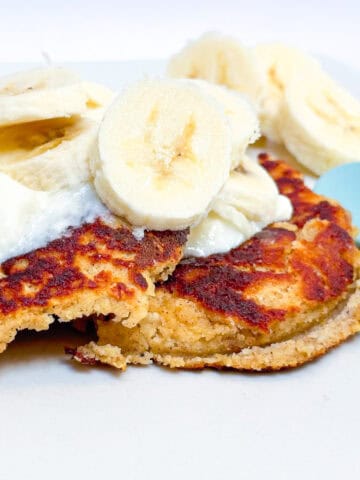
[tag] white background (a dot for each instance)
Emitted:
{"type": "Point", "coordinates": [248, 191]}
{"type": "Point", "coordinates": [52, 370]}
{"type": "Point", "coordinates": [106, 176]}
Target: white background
{"type": "Point", "coordinates": [62, 421]}
{"type": "Point", "coordinates": [121, 30]}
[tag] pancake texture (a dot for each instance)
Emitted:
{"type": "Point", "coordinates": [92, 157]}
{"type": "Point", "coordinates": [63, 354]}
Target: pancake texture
{"type": "Point", "coordinates": [96, 269]}
{"type": "Point", "coordinates": [283, 298]}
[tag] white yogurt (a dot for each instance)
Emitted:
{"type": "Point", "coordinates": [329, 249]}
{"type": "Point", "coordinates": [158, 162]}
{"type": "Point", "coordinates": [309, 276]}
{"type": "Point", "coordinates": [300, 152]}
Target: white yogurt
{"type": "Point", "coordinates": [30, 219]}
{"type": "Point", "coordinates": [248, 202]}
{"type": "Point", "coordinates": [139, 233]}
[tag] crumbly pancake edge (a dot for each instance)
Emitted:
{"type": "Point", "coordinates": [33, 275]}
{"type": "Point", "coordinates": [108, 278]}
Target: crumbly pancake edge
{"type": "Point", "coordinates": [96, 269]}
{"type": "Point", "coordinates": [307, 346]}
{"type": "Point", "coordinates": [291, 353]}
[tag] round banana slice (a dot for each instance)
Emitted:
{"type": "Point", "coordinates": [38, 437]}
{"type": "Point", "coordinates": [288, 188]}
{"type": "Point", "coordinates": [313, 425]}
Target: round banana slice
{"type": "Point", "coordinates": [48, 154]}
{"type": "Point", "coordinates": [241, 114]}
{"type": "Point", "coordinates": [320, 123]}
{"type": "Point", "coordinates": [219, 59]}
{"type": "Point", "coordinates": [164, 152]}
{"type": "Point", "coordinates": [279, 64]}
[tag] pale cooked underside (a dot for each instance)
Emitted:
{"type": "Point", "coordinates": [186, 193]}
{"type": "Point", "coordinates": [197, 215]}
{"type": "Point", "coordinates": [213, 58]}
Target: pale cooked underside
{"type": "Point", "coordinates": [78, 305]}
{"type": "Point", "coordinates": [303, 347]}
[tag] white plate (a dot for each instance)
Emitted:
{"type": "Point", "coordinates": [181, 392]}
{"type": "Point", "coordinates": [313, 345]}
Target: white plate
{"type": "Point", "coordinates": [63, 421]}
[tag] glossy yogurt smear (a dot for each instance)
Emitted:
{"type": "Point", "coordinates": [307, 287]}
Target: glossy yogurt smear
{"type": "Point", "coordinates": [248, 202]}
{"type": "Point", "coordinates": [30, 219]}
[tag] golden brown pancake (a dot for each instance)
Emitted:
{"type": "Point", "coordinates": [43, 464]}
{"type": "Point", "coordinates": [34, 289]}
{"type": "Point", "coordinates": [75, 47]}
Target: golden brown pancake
{"type": "Point", "coordinates": [96, 269]}
{"type": "Point", "coordinates": [282, 298]}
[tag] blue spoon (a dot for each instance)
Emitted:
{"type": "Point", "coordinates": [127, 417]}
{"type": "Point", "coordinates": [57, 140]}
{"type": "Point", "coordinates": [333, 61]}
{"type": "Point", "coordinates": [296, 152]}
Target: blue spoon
{"type": "Point", "coordinates": [343, 184]}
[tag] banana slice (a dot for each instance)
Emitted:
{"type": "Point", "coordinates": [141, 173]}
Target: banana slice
{"type": "Point", "coordinates": [219, 59]}
{"type": "Point", "coordinates": [43, 104]}
{"type": "Point", "coordinates": [164, 152]}
{"type": "Point", "coordinates": [279, 64]}
{"type": "Point", "coordinates": [41, 94]}
{"type": "Point", "coordinates": [320, 123]}
{"type": "Point", "coordinates": [37, 79]}
{"type": "Point", "coordinates": [48, 154]}
{"type": "Point", "coordinates": [242, 116]}
{"type": "Point", "coordinates": [44, 143]}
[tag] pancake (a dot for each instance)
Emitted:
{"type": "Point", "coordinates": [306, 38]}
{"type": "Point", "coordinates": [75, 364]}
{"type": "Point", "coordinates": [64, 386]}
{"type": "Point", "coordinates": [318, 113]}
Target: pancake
{"type": "Point", "coordinates": [97, 269]}
{"type": "Point", "coordinates": [282, 298]}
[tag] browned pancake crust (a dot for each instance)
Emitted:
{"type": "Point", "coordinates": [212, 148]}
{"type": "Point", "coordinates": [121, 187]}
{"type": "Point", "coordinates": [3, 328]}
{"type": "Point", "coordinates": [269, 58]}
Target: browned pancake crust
{"type": "Point", "coordinates": [323, 264]}
{"type": "Point", "coordinates": [93, 268]}
{"type": "Point", "coordinates": [55, 271]}
{"type": "Point", "coordinates": [306, 204]}
{"type": "Point", "coordinates": [282, 298]}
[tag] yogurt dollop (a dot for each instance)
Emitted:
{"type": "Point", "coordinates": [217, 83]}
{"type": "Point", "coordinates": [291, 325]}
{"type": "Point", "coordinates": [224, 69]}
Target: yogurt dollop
{"type": "Point", "coordinates": [248, 202]}
{"type": "Point", "coordinates": [30, 219]}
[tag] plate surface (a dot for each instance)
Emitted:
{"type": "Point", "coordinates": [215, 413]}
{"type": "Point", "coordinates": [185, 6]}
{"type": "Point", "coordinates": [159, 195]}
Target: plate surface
{"type": "Point", "coordinates": [63, 421]}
